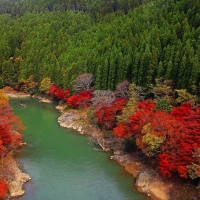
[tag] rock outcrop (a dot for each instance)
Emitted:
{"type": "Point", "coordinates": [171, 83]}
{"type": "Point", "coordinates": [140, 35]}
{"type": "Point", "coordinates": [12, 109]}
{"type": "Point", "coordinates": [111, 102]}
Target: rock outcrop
{"type": "Point", "coordinates": [148, 181]}
{"type": "Point", "coordinates": [73, 120]}
{"type": "Point", "coordinates": [13, 176]}
{"type": "Point", "coordinates": [79, 121]}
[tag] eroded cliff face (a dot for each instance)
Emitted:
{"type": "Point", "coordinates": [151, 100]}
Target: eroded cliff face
{"type": "Point", "coordinates": [13, 176]}
{"type": "Point", "coordinates": [148, 181]}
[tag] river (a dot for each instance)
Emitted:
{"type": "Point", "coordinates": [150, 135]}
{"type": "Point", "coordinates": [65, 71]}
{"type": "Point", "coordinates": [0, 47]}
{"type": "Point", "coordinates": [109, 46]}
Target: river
{"type": "Point", "coordinates": [62, 163]}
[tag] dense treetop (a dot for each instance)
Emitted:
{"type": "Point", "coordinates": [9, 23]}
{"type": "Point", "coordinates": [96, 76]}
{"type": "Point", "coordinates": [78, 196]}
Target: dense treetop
{"type": "Point", "coordinates": [95, 7]}
{"type": "Point", "coordinates": [155, 39]}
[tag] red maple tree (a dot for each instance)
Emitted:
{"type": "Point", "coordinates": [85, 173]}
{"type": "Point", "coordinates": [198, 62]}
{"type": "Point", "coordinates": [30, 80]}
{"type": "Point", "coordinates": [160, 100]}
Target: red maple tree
{"type": "Point", "coordinates": [80, 100]}
{"type": "Point", "coordinates": [59, 93]}
{"type": "Point", "coordinates": [3, 189]}
{"type": "Point", "coordinates": [9, 140]}
{"type": "Point", "coordinates": [183, 143]}
{"type": "Point", "coordinates": [122, 130]}
{"type": "Point", "coordinates": [106, 116]}
{"type": "Point", "coordinates": [141, 117]}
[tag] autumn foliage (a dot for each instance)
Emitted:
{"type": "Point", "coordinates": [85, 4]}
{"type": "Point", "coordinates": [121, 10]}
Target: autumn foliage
{"type": "Point", "coordinates": [137, 120]}
{"type": "Point", "coordinates": [142, 116]}
{"type": "Point", "coordinates": [9, 124]}
{"type": "Point", "coordinates": [182, 149]}
{"type": "Point", "coordinates": [106, 116]}
{"type": "Point", "coordinates": [3, 189]}
{"type": "Point", "coordinates": [122, 130]}
{"type": "Point", "coordinates": [10, 139]}
{"type": "Point", "coordinates": [174, 138]}
{"type": "Point", "coordinates": [16, 87]}
{"type": "Point", "coordinates": [169, 135]}
{"type": "Point", "coordinates": [80, 100]}
{"type": "Point", "coordinates": [59, 93]}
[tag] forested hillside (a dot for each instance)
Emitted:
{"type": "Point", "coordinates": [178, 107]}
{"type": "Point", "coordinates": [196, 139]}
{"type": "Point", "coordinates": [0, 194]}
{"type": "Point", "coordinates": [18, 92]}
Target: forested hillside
{"type": "Point", "coordinates": [145, 41]}
{"type": "Point", "coordinates": [95, 7]}
{"type": "Point", "coordinates": [133, 65]}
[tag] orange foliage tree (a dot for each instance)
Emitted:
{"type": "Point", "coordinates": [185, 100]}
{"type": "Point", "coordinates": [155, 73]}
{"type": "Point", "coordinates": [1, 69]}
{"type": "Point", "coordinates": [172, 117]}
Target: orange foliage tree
{"type": "Point", "coordinates": [9, 139]}
{"type": "Point", "coordinates": [106, 115]}
{"type": "Point", "coordinates": [80, 100]}
{"type": "Point", "coordinates": [141, 116]}
{"type": "Point", "coordinates": [3, 189]}
{"type": "Point", "coordinates": [174, 138]}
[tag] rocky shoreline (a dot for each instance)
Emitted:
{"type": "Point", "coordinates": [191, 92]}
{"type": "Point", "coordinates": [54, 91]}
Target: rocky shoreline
{"type": "Point", "coordinates": [148, 181]}
{"type": "Point", "coordinates": [10, 171]}
{"type": "Point", "coordinates": [14, 177]}
{"type": "Point", "coordinates": [72, 119]}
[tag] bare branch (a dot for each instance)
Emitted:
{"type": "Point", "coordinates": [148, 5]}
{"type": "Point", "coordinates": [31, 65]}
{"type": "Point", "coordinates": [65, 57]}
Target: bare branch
{"type": "Point", "coordinates": [103, 97]}
{"type": "Point", "coordinates": [83, 82]}
{"type": "Point", "coordinates": [122, 89]}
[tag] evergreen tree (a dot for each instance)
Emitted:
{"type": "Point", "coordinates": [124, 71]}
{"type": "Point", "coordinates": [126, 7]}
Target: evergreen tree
{"type": "Point", "coordinates": [153, 66]}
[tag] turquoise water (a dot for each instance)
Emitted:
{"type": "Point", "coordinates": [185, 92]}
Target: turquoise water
{"type": "Point", "coordinates": [62, 164]}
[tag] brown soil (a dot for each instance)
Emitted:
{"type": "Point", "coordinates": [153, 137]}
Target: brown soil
{"type": "Point", "coordinates": [13, 93]}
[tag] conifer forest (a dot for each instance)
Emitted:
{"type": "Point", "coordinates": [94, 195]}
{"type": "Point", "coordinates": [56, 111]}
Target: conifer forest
{"type": "Point", "coordinates": [135, 63]}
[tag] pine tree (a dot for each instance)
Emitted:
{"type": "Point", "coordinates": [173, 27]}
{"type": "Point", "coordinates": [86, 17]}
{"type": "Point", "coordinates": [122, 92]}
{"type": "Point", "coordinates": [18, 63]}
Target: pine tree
{"type": "Point", "coordinates": [7, 70]}
{"type": "Point", "coordinates": [144, 66]}
{"type": "Point", "coordinates": [195, 73]}
{"type": "Point", "coordinates": [135, 68]}
{"type": "Point", "coordinates": [160, 70]}
{"type": "Point", "coordinates": [168, 74]}
{"type": "Point", "coordinates": [153, 66]}
{"type": "Point", "coordinates": [181, 75]}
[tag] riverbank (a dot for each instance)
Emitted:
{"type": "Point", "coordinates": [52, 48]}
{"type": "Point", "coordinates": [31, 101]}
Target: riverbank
{"type": "Point", "coordinates": [10, 170]}
{"type": "Point", "coordinates": [15, 94]}
{"type": "Point", "coordinates": [13, 176]}
{"type": "Point", "coordinates": [147, 179]}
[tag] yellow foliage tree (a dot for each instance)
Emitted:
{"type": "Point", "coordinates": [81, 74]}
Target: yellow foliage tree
{"type": "Point", "coordinates": [45, 84]}
{"type": "Point", "coordinates": [153, 143]}
{"type": "Point", "coordinates": [129, 109]}
{"type": "Point", "coordinates": [3, 98]}
{"type": "Point", "coordinates": [184, 96]}
{"type": "Point", "coordinates": [149, 143]}
{"type": "Point", "coordinates": [28, 85]}
{"type": "Point", "coordinates": [163, 89]}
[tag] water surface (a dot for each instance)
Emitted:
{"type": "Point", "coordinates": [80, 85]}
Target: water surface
{"type": "Point", "coordinates": [62, 164]}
